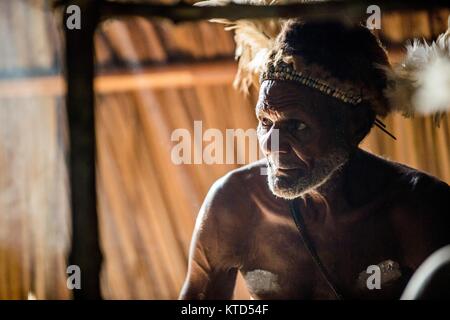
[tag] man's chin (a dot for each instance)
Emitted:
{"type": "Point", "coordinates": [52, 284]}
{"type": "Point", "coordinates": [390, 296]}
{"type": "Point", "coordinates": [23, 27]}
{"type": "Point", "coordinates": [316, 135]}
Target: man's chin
{"type": "Point", "coordinates": [293, 183]}
{"type": "Point", "coordinates": [283, 188]}
{"type": "Point", "coordinates": [285, 194]}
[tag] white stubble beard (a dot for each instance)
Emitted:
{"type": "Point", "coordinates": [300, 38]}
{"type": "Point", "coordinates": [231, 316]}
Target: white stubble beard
{"type": "Point", "coordinates": [321, 172]}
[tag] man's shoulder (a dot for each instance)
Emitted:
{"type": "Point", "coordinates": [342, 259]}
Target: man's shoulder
{"type": "Point", "coordinates": [250, 173]}
{"type": "Point", "coordinates": [239, 182]}
{"type": "Point", "coordinates": [229, 205]}
{"type": "Point", "coordinates": [416, 189]}
{"type": "Point", "coordinates": [419, 211]}
{"type": "Point", "coordinates": [426, 191]}
{"type": "Point", "coordinates": [236, 190]}
{"type": "Point", "coordinates": [413, 179]}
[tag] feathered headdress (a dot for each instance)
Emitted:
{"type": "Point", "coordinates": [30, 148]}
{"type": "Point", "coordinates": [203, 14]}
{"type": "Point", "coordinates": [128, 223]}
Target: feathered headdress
{"type": "Point", "coordinates": [419, 84]}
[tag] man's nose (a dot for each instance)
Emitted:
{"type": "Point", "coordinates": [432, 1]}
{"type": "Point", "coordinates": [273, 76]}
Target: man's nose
{"type": "Point", "coordinates": [274, 142]}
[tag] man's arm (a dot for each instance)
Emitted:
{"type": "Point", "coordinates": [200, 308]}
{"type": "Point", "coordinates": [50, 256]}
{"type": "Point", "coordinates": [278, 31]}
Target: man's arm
{"type": "Point", "coordinates": [212, 266]}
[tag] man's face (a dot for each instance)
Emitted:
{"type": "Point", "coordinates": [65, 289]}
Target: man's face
{"type": "Point", "coordinates": [310, 146]}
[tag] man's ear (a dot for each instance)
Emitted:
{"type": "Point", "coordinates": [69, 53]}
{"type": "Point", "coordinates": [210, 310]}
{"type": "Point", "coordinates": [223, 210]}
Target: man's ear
{"type": "Point", "coordinates": [361, 121]}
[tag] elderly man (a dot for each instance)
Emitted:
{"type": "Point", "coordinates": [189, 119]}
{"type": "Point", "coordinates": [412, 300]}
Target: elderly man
{"type": "Point", "coordinates": [329, 217]}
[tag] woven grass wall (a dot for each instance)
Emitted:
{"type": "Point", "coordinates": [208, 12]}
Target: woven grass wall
{"type": "Point", "coordinates": [147, 205]}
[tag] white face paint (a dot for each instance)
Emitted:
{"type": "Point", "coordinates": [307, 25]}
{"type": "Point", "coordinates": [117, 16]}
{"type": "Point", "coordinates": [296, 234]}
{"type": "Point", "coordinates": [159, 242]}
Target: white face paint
{"type": "Point", "coordinates": [262, 281]}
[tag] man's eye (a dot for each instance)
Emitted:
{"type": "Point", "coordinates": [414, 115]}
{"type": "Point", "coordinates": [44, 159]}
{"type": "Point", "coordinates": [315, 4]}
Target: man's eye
{"type": "Point", "coordinates": [300, 126]}
{"type": "Point", "coordinates": [266, 122]}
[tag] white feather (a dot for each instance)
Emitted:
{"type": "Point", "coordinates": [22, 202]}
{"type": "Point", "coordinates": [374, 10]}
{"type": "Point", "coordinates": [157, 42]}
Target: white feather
{"type": "Point", "coordinates": [433, 94]}
{"type": "Point", "coordinates": [421, 83]}
{"type": "Point", "coordinates": [254, 39]}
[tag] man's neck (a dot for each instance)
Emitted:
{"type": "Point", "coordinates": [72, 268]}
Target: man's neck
{"type": "Point", "coordinates": [337, 189]}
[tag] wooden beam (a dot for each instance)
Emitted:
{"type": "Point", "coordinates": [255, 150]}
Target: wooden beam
{"type": "Point", "coordinates": [85, 252]}
{"type": "Point", "coordinates": [355, 9]}
{"type": "Point", "coordinates": [216, 73]}
{"type": "Point", "coordinates": [179, 76]}
{"type": "Point", "coordinates": [36, 86]}
{"type": "Point", "coordinates": [182, 76]}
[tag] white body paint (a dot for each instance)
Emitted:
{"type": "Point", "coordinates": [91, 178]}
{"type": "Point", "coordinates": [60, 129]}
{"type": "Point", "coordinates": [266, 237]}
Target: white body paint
{"type": "Point", "coordinates": [262, 281]}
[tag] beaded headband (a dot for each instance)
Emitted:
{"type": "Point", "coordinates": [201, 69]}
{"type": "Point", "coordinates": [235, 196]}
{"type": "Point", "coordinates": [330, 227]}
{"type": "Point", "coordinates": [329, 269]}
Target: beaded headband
{"type": "Point", "coordinates": [285, 72]}
{"type": "Point", "coordinates": [313, 76]}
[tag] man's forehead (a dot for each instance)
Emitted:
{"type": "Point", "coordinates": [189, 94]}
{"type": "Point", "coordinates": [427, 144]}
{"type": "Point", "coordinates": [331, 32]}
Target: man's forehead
{"type": "Point", "coordinates": [274, 88]}
{"type": "Point", "coordinates": [275, 94]}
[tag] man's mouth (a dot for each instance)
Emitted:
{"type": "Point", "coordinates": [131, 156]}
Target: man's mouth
{"type": "Point", "coordinates": [286, 168]}
{"type": "Point", "coordinates": [286, 171]}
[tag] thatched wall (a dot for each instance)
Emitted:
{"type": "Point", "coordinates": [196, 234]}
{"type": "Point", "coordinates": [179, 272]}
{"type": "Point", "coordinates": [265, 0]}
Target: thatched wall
{"type": "Point", "coordinates": [147, 204]}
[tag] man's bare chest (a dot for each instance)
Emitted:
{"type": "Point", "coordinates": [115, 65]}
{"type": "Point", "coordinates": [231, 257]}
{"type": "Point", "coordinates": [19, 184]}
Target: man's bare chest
{"type": "Point", "coordinates": [277, 264]}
